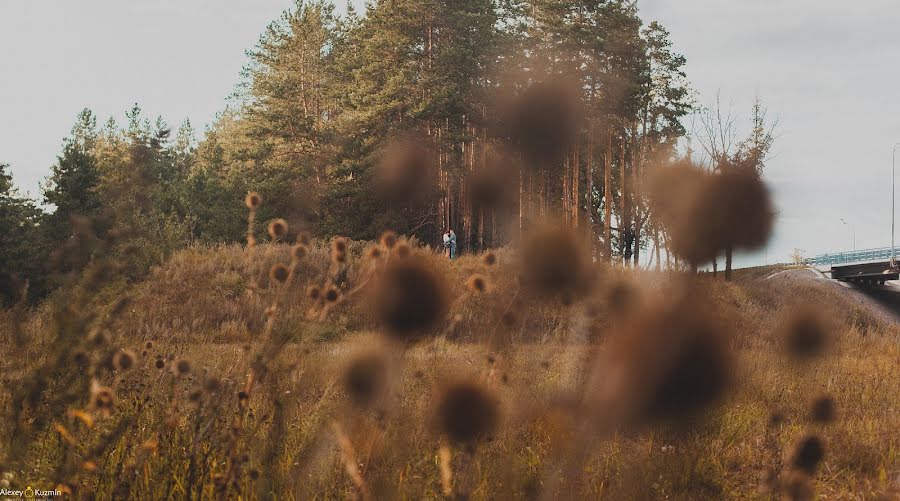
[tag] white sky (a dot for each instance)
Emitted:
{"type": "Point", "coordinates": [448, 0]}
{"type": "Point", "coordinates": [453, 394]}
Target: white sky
{"type": "Point", "coordinates": [828, 69]}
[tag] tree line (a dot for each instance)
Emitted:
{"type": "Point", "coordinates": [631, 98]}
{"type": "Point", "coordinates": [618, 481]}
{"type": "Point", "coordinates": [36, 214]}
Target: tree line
{"type": "Point", "coordinates": [582, 95]}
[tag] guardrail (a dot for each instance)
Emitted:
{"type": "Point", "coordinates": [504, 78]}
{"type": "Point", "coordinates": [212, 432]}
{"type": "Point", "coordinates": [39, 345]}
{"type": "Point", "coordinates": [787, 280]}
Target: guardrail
{"type": "Point", "coordinates": [882, 254]}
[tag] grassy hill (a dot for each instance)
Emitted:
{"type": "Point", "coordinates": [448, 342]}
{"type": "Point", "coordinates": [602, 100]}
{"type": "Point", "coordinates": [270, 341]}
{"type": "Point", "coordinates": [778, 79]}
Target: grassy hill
{"type": "Point", "coordinates": [211, 378]}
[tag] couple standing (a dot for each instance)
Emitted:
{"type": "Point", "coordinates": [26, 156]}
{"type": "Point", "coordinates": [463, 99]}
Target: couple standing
{"type": "Point", "coordinates": [450, 244]}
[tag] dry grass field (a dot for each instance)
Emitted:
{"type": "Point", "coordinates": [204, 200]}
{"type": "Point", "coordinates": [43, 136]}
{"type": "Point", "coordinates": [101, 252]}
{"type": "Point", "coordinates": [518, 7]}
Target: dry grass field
{"type": "Point", "coordinates": [217, 376]}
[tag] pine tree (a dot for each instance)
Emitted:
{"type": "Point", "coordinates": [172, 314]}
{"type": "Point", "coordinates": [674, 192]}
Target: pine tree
{"type": "Point", "coordinates": [72, 185]}
{"type": "Point", "coordinates": [23, 249]}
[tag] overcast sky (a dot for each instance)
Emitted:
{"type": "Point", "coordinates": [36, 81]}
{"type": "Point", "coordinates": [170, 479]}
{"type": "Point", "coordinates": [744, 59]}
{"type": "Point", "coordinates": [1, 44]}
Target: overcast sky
{"type": "Point", "coordinates": [828, 69]}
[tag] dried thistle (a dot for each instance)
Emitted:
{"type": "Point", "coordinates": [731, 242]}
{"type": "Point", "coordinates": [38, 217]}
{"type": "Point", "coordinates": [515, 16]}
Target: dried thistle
{"type": "Point", "coordinates": [332, 294]}
{"type": "Point", "coordinates": [253, 201]}
{"type": "Point", "coordinates": [182, 367]}
{"type": "Point", "coordinates": [299, 251]}
{"type": "Point", "coordinates": [409, 298]}
{"type": "Point", "coordinates": [805, 334]}
{"type": "Point", "coordinates": [807, 454]}
{"type": "Point", "coordinates": [123, 360]}
{"type": "Point", "coordinates": [554, 263]}
{"type": "Point", "coordinates": [823, 409]}
{"type": "Point", "coordinates": [476, 283]}
{"type": "Point", "coordinates": [279, 273]}
{"type": "Point", "coordinates": [388, 239]}
{"type": "Point", "coordinates": [365, 378]}
{"type": "Point", "coordinates": [278, 229]}
{"type": "Point", "coordinates": [466, 412]}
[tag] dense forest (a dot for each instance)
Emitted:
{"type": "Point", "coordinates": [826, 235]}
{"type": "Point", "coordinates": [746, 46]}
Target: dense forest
{"type": "Point", "coordinates": [479, 115]}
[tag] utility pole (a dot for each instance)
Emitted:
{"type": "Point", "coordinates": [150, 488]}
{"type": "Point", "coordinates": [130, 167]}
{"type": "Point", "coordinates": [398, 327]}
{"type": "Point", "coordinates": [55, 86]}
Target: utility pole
{"type": "Point", "coordinates": [852, 232]}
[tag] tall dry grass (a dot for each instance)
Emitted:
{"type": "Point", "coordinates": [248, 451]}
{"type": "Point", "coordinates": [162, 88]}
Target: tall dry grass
{"type": "Point", "coordinates": [221, 375]}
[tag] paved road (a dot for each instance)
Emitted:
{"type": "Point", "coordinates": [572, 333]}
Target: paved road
{"type": "Point", "coordinates": [882, 300]}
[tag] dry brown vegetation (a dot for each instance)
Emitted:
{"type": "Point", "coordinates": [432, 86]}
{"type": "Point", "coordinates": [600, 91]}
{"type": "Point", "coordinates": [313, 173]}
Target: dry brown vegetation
{"type": "Point", "coordinates": [239, 382]}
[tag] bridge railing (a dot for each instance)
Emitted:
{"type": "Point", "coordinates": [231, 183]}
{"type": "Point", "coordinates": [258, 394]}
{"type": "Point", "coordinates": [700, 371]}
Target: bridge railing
{"type": "Point", "coordinates": [882, 254]}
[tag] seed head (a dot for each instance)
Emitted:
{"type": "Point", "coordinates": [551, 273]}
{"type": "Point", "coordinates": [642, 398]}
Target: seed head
{"type": "Point", "coordinates": [149, 345]}
{"type": "Point", "coordinates": [332, 294]}
{"type": "Point", "coordinates": [808, 453]}
{"type": "Point", "coordinates": [123, 360]}
{"type": "Point", "coordinates": [823, 409]}
{"type": "Point", "coordinates": [102, 399]}
{"type": "Point", "coordinates": [253, 200]}
{"type": "Point", "coordinates": [213, 385]}
{"type": "Point", "coordinates": [805, 333]}
{"type": "Point", "coordinates": [278, 229]}
{"type": "Point", "coordinates": [313, 292]}
{"type": "Point", "coordinates": [182, 367]}
{"type": "Point", "coordinates": [467, 412]}
{"type": "Point", "coordinates": [366, 377]}
{"type": "Point", "coordinates": [389, 239]}
{"type": "Point", "coordinates": [409, 298]}
{"type": "Point", "coordinates": [304, 238]}
{"type": "Point", "coordinates": [554, 263]}
{"type": "Point", "coordinates": [672, 361]}
{"type": "Point", "coordinates": [489, 259]}
{"type": "Point", "coordinates": [403, 250]}
{"type": "Point", "coordinates": [476, 283]}
{"type": "Point", "coordinates": [299, 252]}
{"type": "Point", "coordinates": [279, 273]}
{"type": "Point", "coordinates": [160, 363]}
{"type": "Point", "coordinates": [373, 252]}
{"type": "Point", "coordinates": [543, 121]}
{"type": "Point", "coordinates": [403, 172]}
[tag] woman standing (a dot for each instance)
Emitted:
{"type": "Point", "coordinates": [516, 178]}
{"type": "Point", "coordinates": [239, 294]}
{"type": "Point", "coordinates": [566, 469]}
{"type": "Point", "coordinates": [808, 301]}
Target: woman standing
{"type": "Point", "coordinates": [450, 243]}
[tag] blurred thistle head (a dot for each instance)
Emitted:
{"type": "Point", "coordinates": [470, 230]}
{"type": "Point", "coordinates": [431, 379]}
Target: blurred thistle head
{"type": "Point", "coordinates": [332, 294]}
{"type": "Point", "coordinates": [489, 259]}
{"type": "Point", "coordinates": [402, 250]}
{"type": "Point", "coordinates": [160, 363]}
{"type": "Point", "coordinates": [543, 121]}
{"type": "Point", "coordinates": [181, 367]}
{"type": "Point", "coordinates": [299, 252]}
{"type": "Point", "coordinates": [670, 361]}
{"type": "Point", "coordinates": [808, 454]}
{"type": "Point", "coordinates": [339, 244]}
{"type": "Point", "coordinates": [279, 273]}
{"type": "Point", "coordinates": [477, 283]}
{"type": "Point", "coordinates": [388, 239]}
{"type": "Point", "coordinates": [554, 263]}
{"type": "Point", "coordinates": [823, 409]}
{"type": "Point", "coordinates": [123, 360]}
{"type": "Point", "coordinates": [707, 214]}
{"type": "Point", "coordinates": [373, 252]}
{"type": "Point", "coordinates": [98, 337]}
{"type": "Point", "coordinates": [102, 399]}
{"type": "Point", "coordinates": [212, 385]}
{"type": "Point", "coordinates": [805, 333]}
{"type": "Point", "coordinates": [489, 187]}
{"type": "Point", "coordinates": [409, 298]}
{"type": "Point", "coordinates": [148, 345]}
{"type": "Point", "coordinates": [253, 200]}
{"type": "Point", "coordinates": [365, 378]}
{"type": "Point", "coordinates": [403, 171]}
{"type": "Point", "coordinates": [313, 292]}
{"type": "Point", "coordinates": [466, 412]}
{"type": "Point", "coordinates": [304, 238]}
{"type": "Point", "coordinates": [278, 229]}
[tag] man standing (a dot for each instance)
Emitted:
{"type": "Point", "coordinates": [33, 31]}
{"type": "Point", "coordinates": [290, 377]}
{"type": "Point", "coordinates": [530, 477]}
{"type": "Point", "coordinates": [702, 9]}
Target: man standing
{"type": "Point", "coordinates": [450, 243]}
